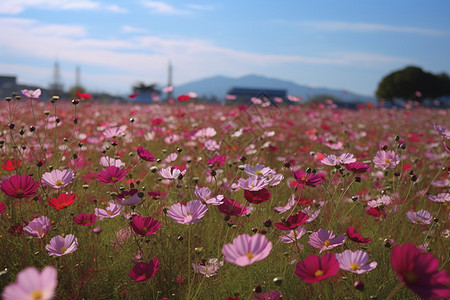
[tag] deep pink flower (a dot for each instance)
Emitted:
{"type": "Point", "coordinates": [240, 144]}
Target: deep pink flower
{"type": "Point", "coordinates": [142, 271]}
{"type": "Point", "coordinates": [232, 208]}
{"type": "Point", "coordinates": [419, 271]}
{"type": "Point", "coordinates": [293, 221]}
{"type": "Point", "coordinates": [145, 226]}
{"type": "Point", "coordinates": [2, 208]}
{"type": "Point", "coordinates": [357, 167]}
{"type": "Point", "coordinates": [145, 154]}
{"type": "Point", "coordinates": [356, 236]}
{"type": "Point", "coordinates": [246, 250]}
{"type": "Point", "coordinates": [309, 179]}
{"type": "Point", "coordinates": [157, 195]}
{"type": "Point", "coordinates": [189, 213]}
{"type": "Point", "coordinates": [32, 284]}
{"type": "Point", "coordinates": [271, 295]}
{"type": "Point", "coordinates": [315, 268]}
{"type": "Point", "coordinates": [111, 174]}
{"type": "Point", "coordinates": [58, 178]}
{"type": "Point", "coordinates": [257, 197]}
{"type": "Point", "coordinates": [217, 159]}
{"type": "Point", "coordinates": [85, 220]}
{"type": "Point", "coordinates": [18, 186]}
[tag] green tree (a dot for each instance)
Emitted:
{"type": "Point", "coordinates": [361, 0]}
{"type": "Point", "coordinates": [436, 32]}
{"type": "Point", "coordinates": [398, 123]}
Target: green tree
{"type": "Point", "coordinates": [406, 82]}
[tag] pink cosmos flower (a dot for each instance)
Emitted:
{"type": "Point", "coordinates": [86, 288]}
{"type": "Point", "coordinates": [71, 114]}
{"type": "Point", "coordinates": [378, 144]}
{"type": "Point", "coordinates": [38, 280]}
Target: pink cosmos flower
{"type": "Point", "coordinates": [204, 193]}
{"type": "Point", "coordinates": [58, 178]}
{"type": "Point", "coordinates": [419, 271]}
{"type": "Point", "coordinates": [113, 210]}
{"type": "Point", "coordinates": [60, 246]}
{"type": "Point", "coordinates": [442, 197]}
{"type": "Point", "coordinates": [356, 262]}
{"type": "Point", "coordinates": [32, 284]}
{"type": "Point", "coordinates": [309, 179]}
{"type": "Point", "coordinates": [333, 160]}
{"type": "Point", "coordinates": [145, 154]}
{"type": "Point", "coordinates": [189, 213]}
{"type": "Point", "coordinates": [130, 197]}
{"type": "Point", "coordinates": [312, 213]}
{"type": "Point", "coordinates": [171, 172]}
{"type": "Point", "coordinates": [258, 171]}
{"type": "Point", "coordinates": [18, 186]}
{"type": "Point", "coordinates": [289, 205]}
{"type": "Point", "coordinates": [145, 226]}
{"type": "Point", "coordinates": [290, 237]}
{"type": "Point", "coordinates": [208, 268]}
{"type": "Point", "coordinates": [171, 157]}
{"type": "Point", "coordinates": [111, 175]}
{"type": "Point", "coordinates": [144, 271]}
{"type": "Point", "coordinates": [114, 132]}
{"type": "Point", "coordinates": [421, 217]}
{"type": "Point", "coordinates": [38, 228]}
{"type": "Point", "coordinates": [32, 94]}
{"type": "Point", "coordinates": [246, 250]}
{"type": "Point", "coordinates": [212, 145]}
{"type": "Point", "coordinates": [325, 240]}
{"type": "Point", "coordinates": [355, 236]}
{"type": "Point", "coordinates": [386, 159]}
{"type": "Point", "coordinates": [107, 161]}
{"type": "Point", "coordinates": [442, 131]}
{"type": "Point", "coordinates": [293, 221]}
{"type": "Point", "coordinates": [315, 268]}
{"type": "Point", "coordinates": [382, 201]}
{"type": "Point", "coordinates": [233, 208]}
{"type": "Point", "coordinates": [85, 220]}
{"type": "Point", "coordinates": [252, 183]}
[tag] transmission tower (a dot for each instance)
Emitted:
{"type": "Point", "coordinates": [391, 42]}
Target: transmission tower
{"type": "Point", "coordinates": [56, 87]}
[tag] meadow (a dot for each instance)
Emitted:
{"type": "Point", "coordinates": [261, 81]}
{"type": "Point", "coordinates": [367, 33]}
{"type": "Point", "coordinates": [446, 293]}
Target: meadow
{"type": "Point", "coordinates": [199, 201]}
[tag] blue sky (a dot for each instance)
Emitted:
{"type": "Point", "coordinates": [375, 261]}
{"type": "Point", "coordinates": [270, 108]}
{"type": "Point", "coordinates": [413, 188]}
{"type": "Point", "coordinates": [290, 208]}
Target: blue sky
{"type": "Point", "coordinates": [347, 45]}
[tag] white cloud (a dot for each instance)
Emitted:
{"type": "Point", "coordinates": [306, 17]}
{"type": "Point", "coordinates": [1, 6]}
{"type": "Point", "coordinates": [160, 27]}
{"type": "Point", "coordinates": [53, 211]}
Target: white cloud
{"type": "Point", "coordinates": [162, 7]}
{"type": "Point", "coordinates": [14, 7]}
{"type": "Point", "coordinates": [132, 29]}
{"type": "Point", "coordinates": [369, 27]}
{"type": "Point", "coordinates": [120, 63]}
{"type": "Point", "coordinates": [200, 7]}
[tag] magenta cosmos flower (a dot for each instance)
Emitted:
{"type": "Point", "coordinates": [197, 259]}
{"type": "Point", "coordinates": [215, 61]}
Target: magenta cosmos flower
{"type": "Point", "coordinates": [111, 175]}
{"type": "Point", "coordinates": [189, 213]}
{"type": "Point", "coordinates": [309, 179]}
{"type": "Point", "coordinates": [58, 178]}
{"type": "Point", "coordinates": [85, 220]}
{"type": "Point", "coordinates": [419, 271]}
{"type": "Point", "coordinates": [356, 236]}
{"type": "Point", "coordinates": [38, 228]}
{"type": "Point", "coordinates": [145, 226]}
{"type": "Point", "coordinates": [2, 208]}
{"type": "Point", "coordinates": [356, 262]}
{"type": "Point", "coordinates": [293, 221]}
{"type": "Point", "coordinates": [60, 245]}
{"type": "Point", "coordinates": [232, 208]}
{"type": "Point", "coordinates": [315, 268]}
{"type": "Point", "coordinates": [325, 240]}
{"type": "Point", "coordinates": [257, 197]}
{"type": "Point", "coordinates": [357, 167]}
{"type": "Point", "coordinates": [32, 284]}
{"type": "Point", "coordinates": [143, 271]}
{"type": "Point", "coordinates": [386, 159]}
{"type": "Point", "coordinates": [145, 154]}
{"type": "Point", "coordinates": [246, 250]}
{"type": "Point", "coordinates": [19, 186]}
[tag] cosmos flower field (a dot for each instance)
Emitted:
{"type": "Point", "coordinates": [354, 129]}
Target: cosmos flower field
{"type": "Point", "coordinates": [199, 201]}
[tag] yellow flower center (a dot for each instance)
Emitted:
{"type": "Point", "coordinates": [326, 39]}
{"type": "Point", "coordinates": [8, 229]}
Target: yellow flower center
{"type": "Point", "coordinates": [250, 255]}
{"type": "Point", "coordinates": [259, 173]}
{"type": "Point", "coordinates": [19, 193]}
{"type": "Point", "coordinates": [327, 243]}
{"type": "Point", "coordinates": [303, 178]}
{"type": "Point", "coordinates": [59, 182]}
{"type": "Point", "coordinates": [114, 178]}
{"type": "Point", "coordinates": [410, 277]}
{"type": "Point", "coordinates": [144, 230]}
{"type": "Point", "coordinates": [63, 249]}
{"type": "Point", "coordinates": [387, 161]}
{"type": "Point", "coordinates": [36, 295]}
{"type": "Point", "coordinates": [354, 267]}
{"type": "Point", "coordinates": [318, 273]}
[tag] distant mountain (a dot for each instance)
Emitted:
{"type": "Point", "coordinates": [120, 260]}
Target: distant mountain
{"type": "Point", "coordinates": [219, 86]}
